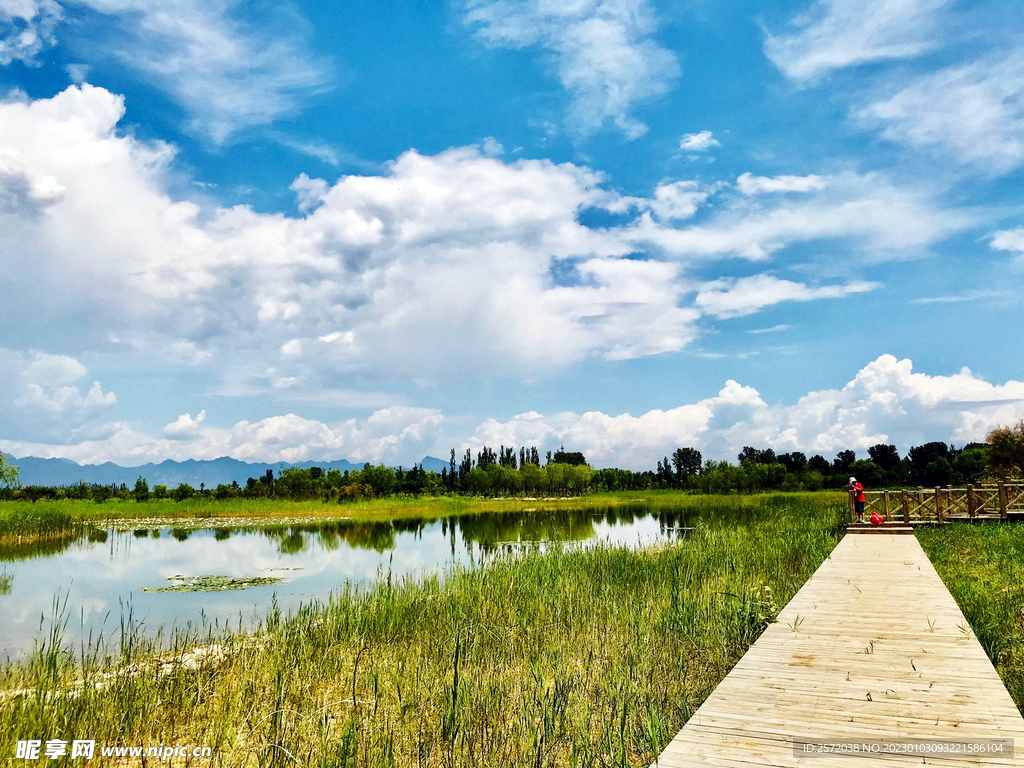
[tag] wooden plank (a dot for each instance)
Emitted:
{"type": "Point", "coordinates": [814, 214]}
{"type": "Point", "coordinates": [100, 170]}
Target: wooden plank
{"type": "Point", "coordinates": [872, 647]}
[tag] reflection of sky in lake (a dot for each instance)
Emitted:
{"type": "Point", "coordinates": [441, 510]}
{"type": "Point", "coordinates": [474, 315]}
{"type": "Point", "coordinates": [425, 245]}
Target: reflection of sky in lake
{"type": "Point", "coordinates": [102, 575]}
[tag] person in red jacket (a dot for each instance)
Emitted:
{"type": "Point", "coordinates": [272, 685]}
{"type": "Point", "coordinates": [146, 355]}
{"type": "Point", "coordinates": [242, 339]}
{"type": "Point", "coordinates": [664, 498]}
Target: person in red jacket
{"type": "Point", "coordinates": [856, 491]}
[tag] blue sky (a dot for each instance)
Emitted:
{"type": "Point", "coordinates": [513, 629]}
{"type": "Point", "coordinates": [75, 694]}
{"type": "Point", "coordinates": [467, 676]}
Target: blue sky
{"type": "Point", "coordinates": [305, 231]}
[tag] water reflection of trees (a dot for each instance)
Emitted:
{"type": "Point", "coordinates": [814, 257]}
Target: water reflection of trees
{"type": "Point", "coordinates": [487, 531]}
{"type": "Point", "coordinates": [294, 539]}
{"type": "Point", "coordinates": [493, 530]}
{"type": "Point", "coordinates": [49, 547]}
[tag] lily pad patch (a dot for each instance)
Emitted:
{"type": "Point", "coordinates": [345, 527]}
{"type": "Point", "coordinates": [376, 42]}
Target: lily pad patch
{"type": "Point", "coordinates": [214, 583]}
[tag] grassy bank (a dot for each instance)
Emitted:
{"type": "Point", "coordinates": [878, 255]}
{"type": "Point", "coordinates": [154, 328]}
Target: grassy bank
{"type": "Point", "coordinates": [560, 658]}
{"type": "Point", "coordinates": [21, 521]}
{"type": "Point", "coordinates": [983, 567]}
{"type": "Point", "coordinates": [55, 518]}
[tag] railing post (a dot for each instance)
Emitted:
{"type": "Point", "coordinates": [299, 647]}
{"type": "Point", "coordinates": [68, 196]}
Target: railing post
{"type": "Point", "coordinates": [971, 509]}
{"type": "Point", "coordinates": [853, 509]}
{"type": "Point", "coordinates": [905, 501]}
{"type": "Point", "coordinates": [938, 505]}
{"type": "Point", "coordinates": [885, 505]}
{"type": "Point", "coordinates": [1003, 509]}
{"type": "Point", "coordinates": [920, 501]}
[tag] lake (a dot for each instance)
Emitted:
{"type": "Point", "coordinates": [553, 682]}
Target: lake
{"type": "Point", "coordinates": [102, 575]}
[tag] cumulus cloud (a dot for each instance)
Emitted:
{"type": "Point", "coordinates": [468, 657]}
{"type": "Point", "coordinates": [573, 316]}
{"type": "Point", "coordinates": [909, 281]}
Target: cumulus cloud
{"type": "Point", "coordinates": [678, 199]}
{"type": "Point", "coordinates": [22, 192]}
{"type": "Point", "coordinates": [185, 425]}
{"type": "Point", "coordinates": [885, 402]}
{"type": "Point", "coordinates": [440, 266]}
{"type": "Point", "coordinates": [729, 297]}
{"type": "Point", "coordinates": [48, 395]}
{"type": "Point", "coordinates": [749, 184]}
{"type": "Point", "coordinates": [698, 142]}
{"type": "Point", "coordinates": [26, 28]}
{"type": "Point", "coordinates": [972, 113]}
{"type": "Point", "coordinates": [833, 34]}
{"type": "Point", "coordinates": [389, 435]}
{"type": "Point", "coordinates": [603, 52]}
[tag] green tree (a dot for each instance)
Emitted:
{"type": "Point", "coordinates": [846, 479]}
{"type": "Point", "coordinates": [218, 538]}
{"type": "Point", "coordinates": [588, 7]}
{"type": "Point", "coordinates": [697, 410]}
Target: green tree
{"type": "Point", "coordinates": [687, 462]}
{"type": "Point", "coordinates": [572, 458]}
{"type": "Point", "coordinates": [8, 473]}
{"type": "Point", "coordinates": [535, 479]}
{"type": "Point", "coordinates": [141, 491]}
{"type": "Point", "coordinates": [556, 477]}
{"type": "Point", "coordinates": [577, 478]}
{"type": "Point", "coordinates": [920, 457]}
{"type": "Point", "coordinates": [381, 479]}
{"type": "Point", "coordinates": [1006, 450]}
{"type": "Point", "coordinates": [183, 491]}
{"type": "Point", "coordinates": [937, 473]}
{"type": "Point", "coordinates": [841, 463]}
{"type": "Point", "coordinates": [970, 465]}
{"type": "Point", "coordinates": [867, 473]}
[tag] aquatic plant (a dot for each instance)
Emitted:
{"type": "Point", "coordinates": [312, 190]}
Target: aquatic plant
{"type": "Point", "coordinates": [214, 583]}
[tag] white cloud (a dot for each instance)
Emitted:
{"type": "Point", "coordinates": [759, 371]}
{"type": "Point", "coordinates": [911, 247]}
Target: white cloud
{"type": "Point", "coordinates": [603, 52]}
{"type": "Point", "coordinates": [833, 34]}
{"type": "Point", "coordinates": [389, 435]}
{"type": "Point", "coordinates": [44, 394]}
{"type": "Point", "coordinates": [749, 184]}
{"type": "Point", "coordinates": [22, 192]}
{"type": "Point", "coordinates": [26, 28]}
{"type": "Point", "coordinates": [371, 265]}
{"type": "Point", "coordinates": [439, 267]}
{"type": "Point", "coordinates": [226, 74]}
{"type": "Point", "coordinates": [491, 147]}
{"type": "Point", "coordinates": [973, 113]}
{"type": "Point", "coordinates": [885, 402]}
{"type": "Point", "coordinates": [1010, 240]}
{"type": "Point", "coordinates": [698, 142]}
{"type": "Point", "coordinates": [185, 425]}
{"type": "Point", "coordinates": [729, 297]}
{"type": "Point", "coordinates": [78, 73]}
{"type": "Point", "coordinates": [678, 200]}
{"type": "Point", "coordinates": [771, 329]}
{"type": "Point", "coordinates": [959, 298]}
{"type": "Point", "coordinates": [867, 209]}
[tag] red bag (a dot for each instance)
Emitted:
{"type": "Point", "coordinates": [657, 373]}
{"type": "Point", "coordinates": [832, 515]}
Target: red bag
{"type": "Point", "coordinates": [876, 519]}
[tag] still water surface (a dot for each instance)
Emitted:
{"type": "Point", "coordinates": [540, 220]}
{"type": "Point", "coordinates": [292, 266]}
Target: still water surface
{"type": "Point", "coordinates": [100, 575]}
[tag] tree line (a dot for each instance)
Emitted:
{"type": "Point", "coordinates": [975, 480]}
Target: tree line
{"type": "Point", "coordinates": [511, 472]}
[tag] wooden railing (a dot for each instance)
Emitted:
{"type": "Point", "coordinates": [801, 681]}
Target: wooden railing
{"type": "Point", "coordinates": [939, 505]}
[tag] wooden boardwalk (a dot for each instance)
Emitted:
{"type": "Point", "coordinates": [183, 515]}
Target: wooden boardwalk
{"type": "Point", "coordinates": [872, 647]}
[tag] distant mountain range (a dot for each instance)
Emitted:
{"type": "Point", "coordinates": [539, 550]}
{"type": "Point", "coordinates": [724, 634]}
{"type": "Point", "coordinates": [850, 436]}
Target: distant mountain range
{"type": "Point", "coordinates": [57, 472]}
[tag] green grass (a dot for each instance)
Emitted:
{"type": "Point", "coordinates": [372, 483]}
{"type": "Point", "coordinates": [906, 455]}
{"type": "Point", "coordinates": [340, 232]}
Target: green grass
{"type": "Point", "coordinates": [24, 519]}
{"type": "Point", "coordinates": [983, 568]}
{"type": "Point", "coordinates": [563, 657]}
